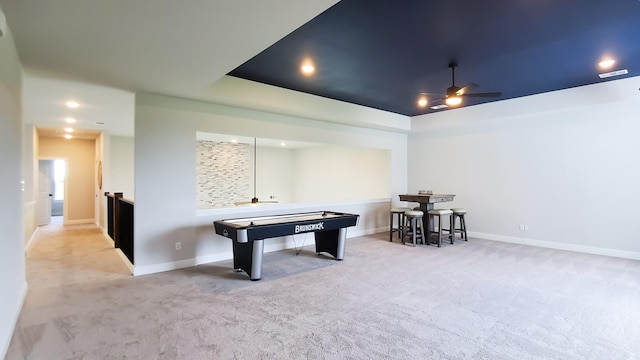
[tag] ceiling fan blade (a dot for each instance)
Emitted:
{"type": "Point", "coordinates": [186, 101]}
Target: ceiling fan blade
{"type": "Point", "coordinates": [487, 94]}
{"type": "Point", "coordinates": [439, 100]}
{"type": "Point", "coordinates": [465, 89]}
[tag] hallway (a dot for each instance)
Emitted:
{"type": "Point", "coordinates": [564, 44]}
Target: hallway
{"type": "Point", "coordinates": [71, 255]}
{"type": "Point", "coordinates": [66, 265]}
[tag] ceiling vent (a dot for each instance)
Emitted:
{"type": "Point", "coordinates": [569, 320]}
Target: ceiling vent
{"type": "Point", "coordinates": [613, 73]}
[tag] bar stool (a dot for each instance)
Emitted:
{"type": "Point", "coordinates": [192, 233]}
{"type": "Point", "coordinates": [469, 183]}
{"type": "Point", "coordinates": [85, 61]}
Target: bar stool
{"type": "Point", "coordinates": [439, 213]}
{"type": "Point", "coordinates": [459, 213]}
{"type": "Point", "coordinates": [413, 221]}
{"type": "Point", "coordinates": [399, 214]}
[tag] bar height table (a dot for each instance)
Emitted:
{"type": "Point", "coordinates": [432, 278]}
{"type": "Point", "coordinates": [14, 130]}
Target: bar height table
{"type": "Point", "coordinates": [426, 202]}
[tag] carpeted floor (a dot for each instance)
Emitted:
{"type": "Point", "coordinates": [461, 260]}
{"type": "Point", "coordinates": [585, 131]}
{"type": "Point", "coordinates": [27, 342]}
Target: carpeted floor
{"type": "Point", "coordinates": [473, 300]}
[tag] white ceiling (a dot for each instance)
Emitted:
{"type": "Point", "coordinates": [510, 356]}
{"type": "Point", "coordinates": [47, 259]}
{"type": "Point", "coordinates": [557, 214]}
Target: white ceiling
{"type": "Point", "coordinates": [102, 52]}
{"type": "Point", "coordinates": [101, 108]}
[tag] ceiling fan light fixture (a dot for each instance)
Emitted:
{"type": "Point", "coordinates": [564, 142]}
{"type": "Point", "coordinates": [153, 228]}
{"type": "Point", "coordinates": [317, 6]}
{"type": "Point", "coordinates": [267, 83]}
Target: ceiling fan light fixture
{"type": "Point", "coordinates": [438, 107]}
{"type": "Point", "coordinates": [453, 100]}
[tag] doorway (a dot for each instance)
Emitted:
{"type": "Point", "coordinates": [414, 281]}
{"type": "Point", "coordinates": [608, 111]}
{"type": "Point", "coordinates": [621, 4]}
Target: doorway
{"type": "Point", "coordinates": [51, 191]}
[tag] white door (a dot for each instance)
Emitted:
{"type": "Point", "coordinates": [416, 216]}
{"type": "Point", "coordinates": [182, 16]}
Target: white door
{"type": "Point", "coordinates": [43, 205]}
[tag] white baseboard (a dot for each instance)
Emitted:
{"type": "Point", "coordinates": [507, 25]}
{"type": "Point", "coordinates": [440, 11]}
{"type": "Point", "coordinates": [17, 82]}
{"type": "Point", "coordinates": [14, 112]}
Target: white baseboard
{"type": "Point", "coordinates": [214, 257]}
{"type": "Point", "coordinates": [109, 240]}
{"type": "Point", "coordinates": [174, 265]}
{"type": "Point", "coordinates": [6, 341]}
{"type": "Point", "coordinates": [363, 232]}
{"type": "Point", "coordinates": [559, 246]}
{"type": "Point", "coordinates": [289, 243]}
{"type": "Point", "coordinates": [125, 259]}
{"type": "Point", "coordinates": [80, 222]}
{"type": "Point", "coordinates": [32, 239]}
{"type": "Point", "coordinates": [167, 266]}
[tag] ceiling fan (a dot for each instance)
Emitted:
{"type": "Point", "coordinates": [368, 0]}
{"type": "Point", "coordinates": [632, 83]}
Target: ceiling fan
{"type": "Point", "coordinates": [455, 93]}
{"type": "Point", "coordinates": [254, 200]}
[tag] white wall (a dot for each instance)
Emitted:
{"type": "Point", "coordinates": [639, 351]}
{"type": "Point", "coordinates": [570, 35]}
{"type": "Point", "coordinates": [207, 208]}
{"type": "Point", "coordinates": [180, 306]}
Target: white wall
{"type": "Point", "coordinates": [12, 263]}
{"type": "Point", "coordinates": [275, 174]}
{"type": "Point", "coordinates": [30, 176]}
{"type": "Point", "coordinates": [121, 166]}
{"type": "Point", "coordinates": [165, 206]}
{"type": "Point", "coordinates": [342, 173]}
{"type": "Point", "coordinates": [565, 164]}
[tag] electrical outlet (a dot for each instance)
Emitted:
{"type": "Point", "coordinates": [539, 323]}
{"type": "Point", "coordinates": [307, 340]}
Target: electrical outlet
{"type": "Point", "coordinates": [521, 227]}
{"type": "Point", "coordinates": [178, 246]}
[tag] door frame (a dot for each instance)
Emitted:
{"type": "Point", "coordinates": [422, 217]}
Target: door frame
{"type": "Point", "coordinates": [65, 203]}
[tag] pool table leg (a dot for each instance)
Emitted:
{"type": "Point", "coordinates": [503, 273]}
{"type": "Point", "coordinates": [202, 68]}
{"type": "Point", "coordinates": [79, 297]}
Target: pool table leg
{"type": "Point", "coordinates": [332, 242]}
{"type": "Point", "coordinates": [248, 257]}
{"type": "Point", "coordinates": [256, 263]}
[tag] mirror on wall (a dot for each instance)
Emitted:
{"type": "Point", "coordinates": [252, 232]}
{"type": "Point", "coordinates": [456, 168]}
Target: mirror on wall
{"type": "Point", "coordinates": [234, 170]}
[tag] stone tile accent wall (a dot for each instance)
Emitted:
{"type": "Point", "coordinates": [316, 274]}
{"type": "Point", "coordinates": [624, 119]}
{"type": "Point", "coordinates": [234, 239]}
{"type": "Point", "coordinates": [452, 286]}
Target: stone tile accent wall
{"type": "Point", "coordinates": [224, 174]}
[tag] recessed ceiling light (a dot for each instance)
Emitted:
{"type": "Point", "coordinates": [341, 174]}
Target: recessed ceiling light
{"type": "Point", "coordinates": [422, 102]}
{"type": "Point", "coordinates": [72, 104]}
{"type": "Point", "coordinates": [607, 63]}
{"type": "Point", "coordinates": [69, 130]}
{"type": "Point", "coordinates": [283, 144]}
{"type": "Point", "coordinates": [307, 68]}
{"type": "Point", "coordinates": [68, 136]}
{"type": "Point", "coordinates": [234, 140]}
{"type": "Point", "coordinates": [70, 120]}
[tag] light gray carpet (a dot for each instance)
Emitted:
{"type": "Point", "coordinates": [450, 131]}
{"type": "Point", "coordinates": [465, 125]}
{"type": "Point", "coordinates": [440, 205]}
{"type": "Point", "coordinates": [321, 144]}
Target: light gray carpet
{"type": "Point", "coordinates": [474, 300]}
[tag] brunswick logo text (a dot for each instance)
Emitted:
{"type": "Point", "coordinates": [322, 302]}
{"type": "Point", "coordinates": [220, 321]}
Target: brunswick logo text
{"type": "Point", "coordinates": [309, 227]}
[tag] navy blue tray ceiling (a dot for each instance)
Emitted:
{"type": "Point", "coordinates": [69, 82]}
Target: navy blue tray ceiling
{"type": "Point", "coordinates": [384, 54]}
